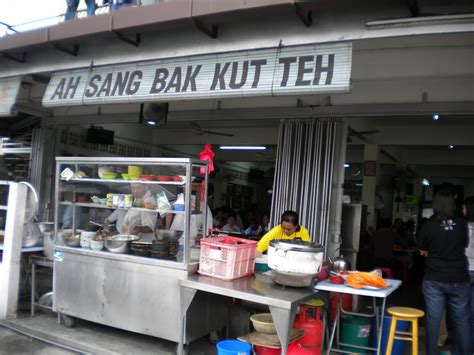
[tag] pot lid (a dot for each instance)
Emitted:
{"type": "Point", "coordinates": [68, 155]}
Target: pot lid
{"type": "Point", "coordinates": [297, 245]}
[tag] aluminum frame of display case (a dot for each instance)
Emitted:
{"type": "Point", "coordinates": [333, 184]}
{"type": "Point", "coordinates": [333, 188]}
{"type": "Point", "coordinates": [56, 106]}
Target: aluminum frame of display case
{"type": "Point", "coordinates": [132, 292]}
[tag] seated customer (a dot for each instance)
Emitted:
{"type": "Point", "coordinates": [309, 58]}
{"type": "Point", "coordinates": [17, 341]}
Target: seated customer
{"type": "Point", "coordinates": [252, 229]}
{"type": "Point", "coordinates": [231, 225]}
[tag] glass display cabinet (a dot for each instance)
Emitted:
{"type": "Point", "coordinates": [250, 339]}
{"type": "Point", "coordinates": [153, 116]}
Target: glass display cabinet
{"type": "Point", "coordinates": [124, 232]}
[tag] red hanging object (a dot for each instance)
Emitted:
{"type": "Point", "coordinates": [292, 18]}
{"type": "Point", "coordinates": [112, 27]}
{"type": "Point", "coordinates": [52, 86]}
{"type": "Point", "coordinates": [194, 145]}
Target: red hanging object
{"type": "Point", "coordinates": [207, 155]}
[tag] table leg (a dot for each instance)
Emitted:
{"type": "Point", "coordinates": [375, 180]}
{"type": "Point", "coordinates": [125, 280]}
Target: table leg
{"type": "Point", "coordinates": [33, 288]}
{"type": "Point", "coordinates": [379, 341]}
{"type": "Point", "coordinates": [283, 319]}
{"type": "Point", "coordinates": [331, 339]}
{"type": "Point", "coordinates": [186, 297]}
{"type": "Point", "coordinates": [337, 320]}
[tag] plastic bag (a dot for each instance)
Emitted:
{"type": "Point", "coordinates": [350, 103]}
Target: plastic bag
{"type": "Point", "coordinates": [162, 202]}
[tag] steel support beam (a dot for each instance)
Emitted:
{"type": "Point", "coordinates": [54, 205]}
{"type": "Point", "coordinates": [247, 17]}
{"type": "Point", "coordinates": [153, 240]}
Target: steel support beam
{"type": "Point", "coordinates": [74, 51]}
{"type": "Point", "coordinates": [211, 30]}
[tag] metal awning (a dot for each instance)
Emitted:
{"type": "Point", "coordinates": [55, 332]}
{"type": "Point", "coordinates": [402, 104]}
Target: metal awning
{"type": "Point", "coordinates": [8, 93]}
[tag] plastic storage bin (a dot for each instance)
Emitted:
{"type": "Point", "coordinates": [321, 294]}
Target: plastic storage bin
{"type": "Point", "coordinates": [398, 345]}
{"type": "Point", "coordinates": [233, 347]}
{"type": "Point", "coordinates": [227, 257]}
{"type": "Point", "coordinates": [355, 330]}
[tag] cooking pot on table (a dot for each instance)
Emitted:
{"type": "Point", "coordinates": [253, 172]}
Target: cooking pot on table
{"type": "Point", "coordinates": [294, 262]}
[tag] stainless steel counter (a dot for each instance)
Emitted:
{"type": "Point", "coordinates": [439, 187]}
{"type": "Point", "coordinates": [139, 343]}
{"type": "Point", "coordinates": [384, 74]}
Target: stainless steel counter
{"type": "Point", "coordinates": [191, 267]}
{"type": "Point", "coordinates": [131, 293]}
{"type": "Point", "coordinates": [259, 288]}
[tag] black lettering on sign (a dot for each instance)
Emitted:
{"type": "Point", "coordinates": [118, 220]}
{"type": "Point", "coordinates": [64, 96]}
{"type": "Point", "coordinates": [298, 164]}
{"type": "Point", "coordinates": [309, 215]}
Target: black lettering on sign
{"type": "Point", "coordinates": [106, 85]}
{"type": "Point", "coordinates": [134, 82]}
{"type": "Point", "coordinates": [243, 76]}
{"type": "Point", "coordinates": [219, 76]}
{"type": "Point", "coordinates": [72, 87]}
{"type": "Point", "coordinates": [302, 70]}
{"type": "Point", "coordinates": [120, 83]}
{"type": "Point", "coordinates": [92, 88]}
{"type": "Point", "coordinates": [286, 61]}
{"type": "Point", "coordinates": [191, 77]}
{"type": "Point", "coordinates": [258, 68]}
{"type": "Point", "coordinates": [175, 81]}
{"type": "Point", "coordinates": [59, 90]}
{"type": "Point", "coordinates": [320, 69]}
{"type": "Point", "coordinates": [159, 82]}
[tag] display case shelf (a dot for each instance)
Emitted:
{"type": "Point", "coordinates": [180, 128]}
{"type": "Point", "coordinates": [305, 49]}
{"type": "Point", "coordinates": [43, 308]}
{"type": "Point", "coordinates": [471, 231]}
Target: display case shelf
{"type": "Point", "coordinates": [96, 205]}
{"type": "Point", "coordinates": [122, 181]}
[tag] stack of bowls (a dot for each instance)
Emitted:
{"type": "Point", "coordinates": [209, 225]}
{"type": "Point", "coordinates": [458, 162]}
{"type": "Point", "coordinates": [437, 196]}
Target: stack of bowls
{"type": "Point", "coordinates": [86, 238]}
{"type": "Point", "coordinates": [97, 244]}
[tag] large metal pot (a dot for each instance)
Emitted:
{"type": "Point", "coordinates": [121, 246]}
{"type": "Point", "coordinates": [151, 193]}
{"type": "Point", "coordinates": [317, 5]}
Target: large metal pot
{"type": "Point", "coordinates": [295, 256]}
{"type": "Point", "coordinates": [119, 244]}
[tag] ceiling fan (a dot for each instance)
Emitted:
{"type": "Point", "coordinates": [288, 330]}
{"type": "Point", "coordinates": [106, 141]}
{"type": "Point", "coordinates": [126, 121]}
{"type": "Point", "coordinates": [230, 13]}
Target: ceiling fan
{"type": "Point", "coordinates": [197, 130]}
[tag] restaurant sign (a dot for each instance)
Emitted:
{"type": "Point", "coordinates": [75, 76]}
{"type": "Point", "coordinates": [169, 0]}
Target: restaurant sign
{"type": "Point", "coordinates": [8, 92]}
{"type": "Point", "coordinates": [305, 69]}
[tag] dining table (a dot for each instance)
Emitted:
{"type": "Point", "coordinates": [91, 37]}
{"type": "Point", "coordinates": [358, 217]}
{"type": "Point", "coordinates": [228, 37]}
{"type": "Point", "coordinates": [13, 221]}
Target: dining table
{"type": "Point", "coordinates": [376, 294]}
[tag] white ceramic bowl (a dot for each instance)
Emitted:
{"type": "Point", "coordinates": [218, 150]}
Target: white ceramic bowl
{"type": "Point", "coordinates": [97, 244]}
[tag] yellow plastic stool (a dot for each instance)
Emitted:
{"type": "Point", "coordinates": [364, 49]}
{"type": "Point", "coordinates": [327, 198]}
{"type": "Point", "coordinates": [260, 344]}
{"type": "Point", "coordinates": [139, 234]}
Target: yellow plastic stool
{"type": "Point", "coordinates": [408, 315]}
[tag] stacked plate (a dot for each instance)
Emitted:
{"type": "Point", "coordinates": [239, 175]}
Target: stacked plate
{"type": "Point", "coordinates": [141, 248]}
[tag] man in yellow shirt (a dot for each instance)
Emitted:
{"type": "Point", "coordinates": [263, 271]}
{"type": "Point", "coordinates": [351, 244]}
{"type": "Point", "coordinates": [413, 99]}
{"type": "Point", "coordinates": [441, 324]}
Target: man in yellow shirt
{"type": "Point", "coordinates": [288, 228]}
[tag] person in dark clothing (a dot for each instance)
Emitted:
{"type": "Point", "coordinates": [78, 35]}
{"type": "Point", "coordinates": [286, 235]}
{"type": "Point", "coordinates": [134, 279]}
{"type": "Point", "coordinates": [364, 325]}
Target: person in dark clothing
{"type": "Point", "coordinates": [382, 243]}
{"type": "Point", "coordinates": [443, 241]}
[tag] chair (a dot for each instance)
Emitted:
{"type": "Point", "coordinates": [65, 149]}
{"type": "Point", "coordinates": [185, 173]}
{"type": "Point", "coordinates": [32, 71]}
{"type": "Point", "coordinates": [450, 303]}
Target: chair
{"type": "Point", "coordinates": [408, 315]}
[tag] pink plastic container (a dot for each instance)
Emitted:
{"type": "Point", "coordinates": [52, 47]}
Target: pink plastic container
{"type": "Point", "coordinates": [227, 257]}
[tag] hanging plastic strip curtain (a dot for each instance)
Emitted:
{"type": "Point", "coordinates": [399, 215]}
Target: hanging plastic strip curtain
{"type": "Point", "coordinates": [309, 174]}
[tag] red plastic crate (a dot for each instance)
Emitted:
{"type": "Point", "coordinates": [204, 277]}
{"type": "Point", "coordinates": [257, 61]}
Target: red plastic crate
{"type": "Point", "coordinates": [227, 257]}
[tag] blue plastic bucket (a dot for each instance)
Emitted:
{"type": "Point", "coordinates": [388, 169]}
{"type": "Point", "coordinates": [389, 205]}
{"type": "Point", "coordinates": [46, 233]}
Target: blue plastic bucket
{"type": "Point", "coordinates": [398, 345]}
{"type": "Point", "coordinates": [233, 347]}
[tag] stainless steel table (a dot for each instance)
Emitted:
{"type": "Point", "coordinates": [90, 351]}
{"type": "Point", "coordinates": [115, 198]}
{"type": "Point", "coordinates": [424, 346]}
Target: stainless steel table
{"type": "Point", "coordinates": [382, 294]}
{"type": "Point", "coordinates": [259, 288]}
{"type": "Point", "coordinates": [34, 261]}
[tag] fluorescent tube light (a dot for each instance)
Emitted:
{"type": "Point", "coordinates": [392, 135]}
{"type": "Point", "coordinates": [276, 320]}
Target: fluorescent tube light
{"type": "Point", "coordinates": [242, 147]}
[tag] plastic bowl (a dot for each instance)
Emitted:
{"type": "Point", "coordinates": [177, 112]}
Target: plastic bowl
{"type": "Point", "coordinates": [336, 279]}
{"type": "Point", "coordinates": [109, 176]}
{"type": "Point", "coordinates": [163, 178]}
{"type": "Point", "coordinates": [104, 169]}
{"type": "Point", "coordinates": [148, 177]}
{"type": "Point", "coordinates": [176, 178]}
{"type": "Point", "coordinates": [263, 323]}
{"type": "Point", "coordinates": [135, 172]}
{"type": "Point", "coordinates": [125, 176]}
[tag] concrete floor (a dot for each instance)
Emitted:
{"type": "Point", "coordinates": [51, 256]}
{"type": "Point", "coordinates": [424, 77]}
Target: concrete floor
{"type": "Point", "coordinates": [16, 343]}
{"type": "Point", "coordinates": [88, 337]}
{"type": "Point", "coordinates": [98, 339]}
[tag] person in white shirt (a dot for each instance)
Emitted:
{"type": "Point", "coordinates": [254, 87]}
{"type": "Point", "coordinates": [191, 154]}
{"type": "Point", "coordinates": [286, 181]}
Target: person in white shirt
{"type": "Point", "coordinates": [196, 223]}
{"type": "Point", "coordinates": [231, 225]}
{"type": "Point", "coordinates": [136, 222]}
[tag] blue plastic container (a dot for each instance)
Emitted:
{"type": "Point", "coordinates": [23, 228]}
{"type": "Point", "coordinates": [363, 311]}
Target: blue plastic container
{"type": "Point", "coordinates": [398, 345]}
{"type": "Point", "coordinates": [233, 347]}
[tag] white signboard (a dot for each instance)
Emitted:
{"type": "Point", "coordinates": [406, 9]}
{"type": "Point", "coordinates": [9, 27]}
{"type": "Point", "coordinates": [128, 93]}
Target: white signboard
{"type": "Point", "coordinates": [306, 69]}
{"type": "Point", "coordinates": [8, 92]}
